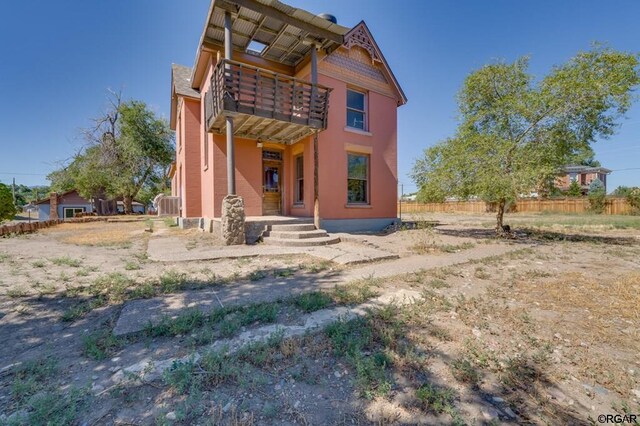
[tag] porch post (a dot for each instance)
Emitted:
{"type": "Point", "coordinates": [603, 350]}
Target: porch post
{"type": "Point", "coordinates": [231, 163]}
{"type": "Point", "coordinates": [314, 82]}
{"type": "Point", "coordinates": [232, 217]}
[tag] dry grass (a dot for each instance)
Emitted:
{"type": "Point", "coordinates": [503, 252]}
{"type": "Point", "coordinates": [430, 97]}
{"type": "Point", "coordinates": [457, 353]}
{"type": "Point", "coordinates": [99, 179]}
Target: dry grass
{"type": "Point", "coordinates": [98, 233]}
{"type": "Point", "coordinates": [592, 314]}
{"type": "Point", "coordinates": [606, 299]}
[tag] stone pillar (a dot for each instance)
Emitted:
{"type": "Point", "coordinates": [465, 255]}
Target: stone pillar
{"type": "Point", "coordinates": [53, 205]}
{"type": "Point", "coordinates": [233, 220]}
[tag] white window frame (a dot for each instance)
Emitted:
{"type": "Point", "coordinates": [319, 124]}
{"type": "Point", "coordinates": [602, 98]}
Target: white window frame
{"type": "Point", "coordinates": [74, 209]}
{"type": "Point", "coordinates": [365, 112]}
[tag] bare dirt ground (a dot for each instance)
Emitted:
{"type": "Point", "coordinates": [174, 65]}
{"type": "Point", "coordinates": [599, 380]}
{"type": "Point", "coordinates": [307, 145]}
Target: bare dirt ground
{"type": "Point", "coordinates": [548, 333]}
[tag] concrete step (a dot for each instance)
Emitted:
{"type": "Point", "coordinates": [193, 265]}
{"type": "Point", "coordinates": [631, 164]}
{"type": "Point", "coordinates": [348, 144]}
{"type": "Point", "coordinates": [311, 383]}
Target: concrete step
{"type": "Point", "coordinates": [294, 227]}
{"type": "Point", "coordinates": [296, 235]}
{"type": "Point", "coordinates": [304, 242]}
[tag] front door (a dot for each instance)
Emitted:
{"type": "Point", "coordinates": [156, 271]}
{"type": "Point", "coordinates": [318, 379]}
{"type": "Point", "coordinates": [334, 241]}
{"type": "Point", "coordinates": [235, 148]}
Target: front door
{"type": "Point", "coordinates": [272, 187]}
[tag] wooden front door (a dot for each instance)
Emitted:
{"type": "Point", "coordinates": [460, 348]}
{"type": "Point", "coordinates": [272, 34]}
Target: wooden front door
{"type": "Point", "coordinates": [271, 187]}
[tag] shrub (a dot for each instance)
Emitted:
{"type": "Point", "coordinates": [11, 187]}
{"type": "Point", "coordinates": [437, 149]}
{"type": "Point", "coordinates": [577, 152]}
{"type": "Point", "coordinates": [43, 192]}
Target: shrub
{"type": "Point", "coordinates": [574, 189]}
{"type": "Point", "coordinates": [633, 198]}
{"type": "Point", "coordinates": [597, 196]}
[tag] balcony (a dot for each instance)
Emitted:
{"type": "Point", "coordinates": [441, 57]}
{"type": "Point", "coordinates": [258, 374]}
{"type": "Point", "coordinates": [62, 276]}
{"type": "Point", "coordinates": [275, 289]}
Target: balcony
{"type": "Point", "coordinates": [263, 104]}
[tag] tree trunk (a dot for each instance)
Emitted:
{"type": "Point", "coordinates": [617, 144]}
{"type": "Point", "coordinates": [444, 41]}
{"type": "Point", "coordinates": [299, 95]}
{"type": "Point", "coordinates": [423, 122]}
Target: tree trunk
{"type": "Point", "coordinates": [127, 200]}
{"type": "Point", "coordinates": [500, 216]}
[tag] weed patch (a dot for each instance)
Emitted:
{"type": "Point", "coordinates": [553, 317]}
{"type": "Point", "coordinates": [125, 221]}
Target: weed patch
{"type": "Point", "coordinates": [101, 344]}
{"type": "Point", "coordinates": [66, 261]}
{"type": "Point", "coordinates": [314, 301]}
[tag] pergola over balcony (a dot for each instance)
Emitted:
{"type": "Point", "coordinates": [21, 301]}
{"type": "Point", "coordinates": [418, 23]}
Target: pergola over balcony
{"type": "Point", "coordinates": [257, 103]}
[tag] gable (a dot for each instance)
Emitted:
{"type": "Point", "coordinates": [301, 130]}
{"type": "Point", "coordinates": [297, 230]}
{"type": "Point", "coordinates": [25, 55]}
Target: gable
{"type": "Point", "coordinates": [360, 62]}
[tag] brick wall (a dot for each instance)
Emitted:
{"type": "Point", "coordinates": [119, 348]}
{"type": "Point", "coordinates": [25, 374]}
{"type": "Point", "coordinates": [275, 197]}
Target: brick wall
{"type": "Point", "coordinates": [53, 205]}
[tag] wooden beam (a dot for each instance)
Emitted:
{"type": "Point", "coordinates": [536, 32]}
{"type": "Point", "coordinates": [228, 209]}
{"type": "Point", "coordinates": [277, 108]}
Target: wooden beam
{"type": "Point", "coordinates": [290, 20]}
{"type": "Point", "coordinates": [292, 48]}
{"type": "Point", "coordinates": [275, 40]}
{"type": "Point", "coordinates": [241, 123]}
{"type": "Point", "coordinates": [227, 6]}
{"type": "Point", "coordinates": [255, 31]}
{"type": "Point", "coordinates": [210, 45]}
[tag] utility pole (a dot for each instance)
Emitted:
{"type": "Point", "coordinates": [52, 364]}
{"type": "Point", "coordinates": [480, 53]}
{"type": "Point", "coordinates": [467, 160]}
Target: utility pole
{"type": "Point", "coordinates": [401, 197]}
{"type": "Point", "coordinates": [13, 190]}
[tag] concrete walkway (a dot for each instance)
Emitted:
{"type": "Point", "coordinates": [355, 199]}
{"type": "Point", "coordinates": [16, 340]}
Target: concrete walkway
{"type": "Point", "coordinates": [149, 370]}
{"type": "Point", "coordinates": [173, 249]}
{"type": "Point", "coordinates": [136, 314]}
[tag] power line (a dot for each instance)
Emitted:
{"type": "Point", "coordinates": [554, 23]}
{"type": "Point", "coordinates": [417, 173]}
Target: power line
{"type": "Point", "coordinates": [622, 170]}
{"type": "Point", "coordinates": [23, 174]}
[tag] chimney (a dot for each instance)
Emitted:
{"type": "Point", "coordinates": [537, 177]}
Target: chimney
{"type": "Point", "coordinates": [53, 205]}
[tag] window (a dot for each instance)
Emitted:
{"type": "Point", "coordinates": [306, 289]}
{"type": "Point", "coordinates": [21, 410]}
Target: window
{"type": "Point", "coordinates": [179, 133]}
{"type": "Point", "coordinates": [70, 212]}
{"type": "Point", "coordinates": [299, 183]}
{"type": "Point", "coordinates": [205, 147]}
{"type": "Point", "coordinates": [272, 155]}
{"type": "Point", "coordinates": [357, 178]}
{"type": "Point", "coordinates": [356, 113]}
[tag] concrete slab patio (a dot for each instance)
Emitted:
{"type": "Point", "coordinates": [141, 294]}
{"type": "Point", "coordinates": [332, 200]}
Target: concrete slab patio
{"type": "Point", "coordinates": [136, 314]}
{"type": "Point", "coordinates": [173, 249]}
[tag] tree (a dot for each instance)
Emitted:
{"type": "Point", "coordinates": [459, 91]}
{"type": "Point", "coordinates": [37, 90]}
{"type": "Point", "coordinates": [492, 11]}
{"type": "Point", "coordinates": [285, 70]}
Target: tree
{"type": "Point", "coordinates": [633, 198]}
{"type": "Point", "coordinates": [597, 196]}
{"type": "Point", "coordinates": [127, 149]}
{"type": "Point", "coordinates": [622, 191]}
{"type": "Point", "coordinates": [574, 189]}
{"type": "Point", "coordinates": [7, 208]}
{"type": "Point", "coordinates": [515, 133]}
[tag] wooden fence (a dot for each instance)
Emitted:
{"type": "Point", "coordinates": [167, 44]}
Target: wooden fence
{"type": "Point", "coordinates": [558, 205]}
{"type": "Point", "coordinates": [168, 206]}
{"type": "Point", "coordinates": [27, 228]}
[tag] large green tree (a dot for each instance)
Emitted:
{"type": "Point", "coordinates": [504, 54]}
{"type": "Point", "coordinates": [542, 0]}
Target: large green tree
{"type": "Point", "coordinates": [127, 153]}
{"type": "Point", "coordinates": [7, 208]}
{"type": "Point", "coordinates": [516, 132]}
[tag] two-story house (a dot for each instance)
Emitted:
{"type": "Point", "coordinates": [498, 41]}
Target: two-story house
{"type": "Point", "coordinates": [291, 112]}
{"type": "Point", "coordinates": [583, 175]}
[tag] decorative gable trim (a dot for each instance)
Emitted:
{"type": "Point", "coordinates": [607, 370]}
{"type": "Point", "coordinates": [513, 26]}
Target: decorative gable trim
{"type": "Point", "coordinates": [360, 36]}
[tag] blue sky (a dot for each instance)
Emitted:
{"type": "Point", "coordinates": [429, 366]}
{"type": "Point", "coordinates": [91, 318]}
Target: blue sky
{"type": "Point", "coordinates": [57, 59]}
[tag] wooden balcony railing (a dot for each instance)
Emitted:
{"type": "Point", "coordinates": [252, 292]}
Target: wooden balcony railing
{"type": "Point", "coordinates": [238, 88]}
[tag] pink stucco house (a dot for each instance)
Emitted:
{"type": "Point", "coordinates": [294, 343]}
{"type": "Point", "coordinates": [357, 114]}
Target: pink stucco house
{"type": "Point", "coordinates": [292, 112]}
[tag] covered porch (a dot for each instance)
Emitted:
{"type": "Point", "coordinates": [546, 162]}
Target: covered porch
{"type": "Point", "coordinates": [260, 73]}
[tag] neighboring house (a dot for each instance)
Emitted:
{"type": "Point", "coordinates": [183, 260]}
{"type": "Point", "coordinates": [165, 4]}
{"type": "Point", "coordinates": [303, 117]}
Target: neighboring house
{"type": "Point", "coordinates": [584, 175]}
{"type": "Point", "coordinates": [62, 206]}
{"type": "Point", "coordinates": [246, 114]}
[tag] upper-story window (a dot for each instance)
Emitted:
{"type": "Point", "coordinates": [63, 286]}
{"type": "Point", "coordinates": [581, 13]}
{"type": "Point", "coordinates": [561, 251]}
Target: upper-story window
{"type": "Point", "coordinates": [356, 110]}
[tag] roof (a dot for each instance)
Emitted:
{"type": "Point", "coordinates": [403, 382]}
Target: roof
{"type": "Point", "coordinates": [180, 86]}
{"type": "Point", "coordinates": [270, 30]}
{"type": "Point", "coordinates": [576, 168]}
{"type": "Point", "coordinates": [361, 36]}
{"type": "Point", "coordinates": [286, 32]}
{"type": "Point", "coordinates": [181, 78]}
{"type": "Point", "coordinates": [62, 194]}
